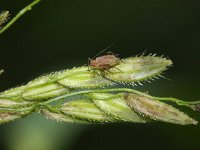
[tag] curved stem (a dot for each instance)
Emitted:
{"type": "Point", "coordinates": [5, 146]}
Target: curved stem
{"type": "Point", "coordinates": [178, 101]}
{"type": "Point", "coordinates": [22, 12]}
{"type": "Point", "coordinates": [170, 99]}
{"type": "Point", "coordinates": [96, 91]}
{"type": "Point", "coordinates": [45, 104]}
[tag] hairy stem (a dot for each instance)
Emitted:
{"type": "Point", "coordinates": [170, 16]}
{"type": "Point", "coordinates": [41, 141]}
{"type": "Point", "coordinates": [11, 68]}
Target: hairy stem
{"type": "Point", "coordinates": [22, 12]}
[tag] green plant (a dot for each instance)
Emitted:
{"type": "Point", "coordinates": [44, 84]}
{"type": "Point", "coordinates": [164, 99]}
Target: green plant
{"type": "Point", "coordinates": [79, 95]}
{"type": "Point", "coordinates": [5, 14]}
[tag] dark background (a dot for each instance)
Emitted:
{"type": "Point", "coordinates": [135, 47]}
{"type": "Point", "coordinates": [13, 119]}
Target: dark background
{"type": "Point", "coordinates": [60, 34]}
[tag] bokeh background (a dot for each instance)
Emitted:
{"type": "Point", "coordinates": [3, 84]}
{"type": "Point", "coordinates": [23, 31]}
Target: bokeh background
{"type": "Point", "coordinates": [60, 34]}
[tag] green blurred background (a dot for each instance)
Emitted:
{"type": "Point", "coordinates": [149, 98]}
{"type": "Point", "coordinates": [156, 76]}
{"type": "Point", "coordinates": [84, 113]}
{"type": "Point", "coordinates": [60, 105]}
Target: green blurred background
{"type": "Point", "coordinates": [60, 34]}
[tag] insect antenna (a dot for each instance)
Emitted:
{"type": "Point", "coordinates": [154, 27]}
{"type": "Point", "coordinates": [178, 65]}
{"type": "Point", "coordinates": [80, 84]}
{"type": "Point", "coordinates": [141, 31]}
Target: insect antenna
{"type": "Point", "coordinates": [103, 50]}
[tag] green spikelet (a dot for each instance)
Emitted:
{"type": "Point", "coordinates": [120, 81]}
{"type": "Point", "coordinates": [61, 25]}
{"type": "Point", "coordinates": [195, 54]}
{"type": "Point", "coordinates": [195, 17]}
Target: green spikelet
{"type": "Point", "coordinates": [83, 96]}
{"type": "Point", "coordinates": [129, 70]}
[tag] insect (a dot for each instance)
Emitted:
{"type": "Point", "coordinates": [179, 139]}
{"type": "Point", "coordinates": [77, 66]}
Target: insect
{"type": "Point", "coordinates": [104, 62]}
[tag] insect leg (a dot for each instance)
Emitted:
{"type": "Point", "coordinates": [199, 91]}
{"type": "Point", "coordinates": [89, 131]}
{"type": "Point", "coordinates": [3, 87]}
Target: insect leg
{"type": "Point", "coordinates": [118, 69]}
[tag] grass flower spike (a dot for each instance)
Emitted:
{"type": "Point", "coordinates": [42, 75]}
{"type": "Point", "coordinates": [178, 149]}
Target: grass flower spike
{"type": "Point", "coordinates": [90, 96]}
{"type": "Point", "coordinates": [132, 70]}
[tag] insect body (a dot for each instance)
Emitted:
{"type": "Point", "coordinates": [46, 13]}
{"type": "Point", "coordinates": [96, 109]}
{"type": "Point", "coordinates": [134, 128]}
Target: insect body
{"type": "Point", "coordinates": [104, 62]}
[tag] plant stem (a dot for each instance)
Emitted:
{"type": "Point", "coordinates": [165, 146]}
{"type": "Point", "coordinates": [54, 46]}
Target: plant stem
{"type": "Point", "coordinates": [171, 99]}
{"type": "Point", "coordinates": [178, 101]}
{"type": "Point", "coordinates": [22, 12]}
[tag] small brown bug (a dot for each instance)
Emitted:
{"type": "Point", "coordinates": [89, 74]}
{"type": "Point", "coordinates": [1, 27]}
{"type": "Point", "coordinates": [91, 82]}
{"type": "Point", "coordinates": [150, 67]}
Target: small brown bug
{"type": "Point", "coordinates": [104, 62]}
